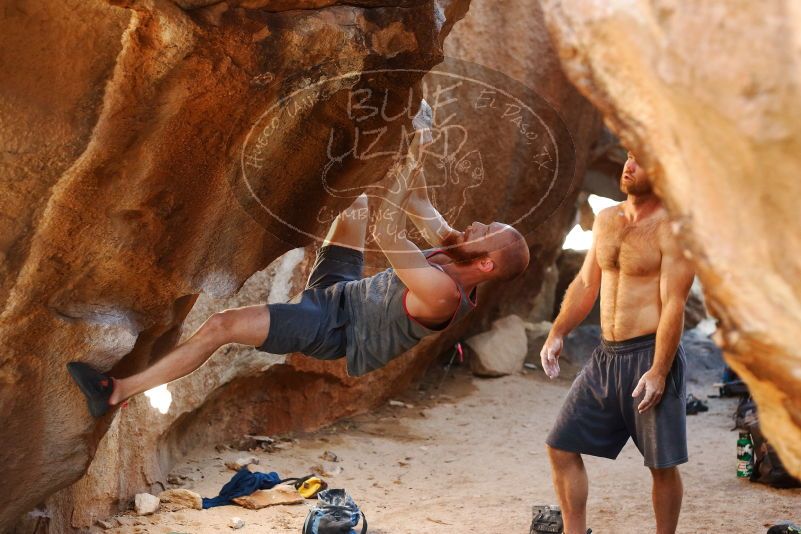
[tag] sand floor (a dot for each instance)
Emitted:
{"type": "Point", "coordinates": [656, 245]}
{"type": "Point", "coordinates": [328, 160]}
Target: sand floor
{"type": "Point", "coordinates": [469, 458]}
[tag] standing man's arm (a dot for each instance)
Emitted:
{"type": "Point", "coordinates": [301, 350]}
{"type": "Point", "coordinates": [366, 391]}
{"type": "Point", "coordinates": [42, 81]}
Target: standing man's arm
{"type": "Point", "coordinates": [579, 300]}
{"type": "Point", "coordinates": [675, 279]}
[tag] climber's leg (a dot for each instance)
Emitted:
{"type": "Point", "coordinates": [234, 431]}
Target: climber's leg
{"type": "Point", "coordinates": [247, 326]}
{"type": "Point", "coordinates": [341, 258]}
{"type": "Point", "coordinates": [350, 226]}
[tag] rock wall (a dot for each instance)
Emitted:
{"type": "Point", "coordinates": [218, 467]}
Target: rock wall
{"type": "Point", "coordinates": [138, 179]}
{"type": "Point", "coordinates": [132, 178]}
{"type": "Point", "coordinates": [511, 37]}
{"type": "Point", "coordinates": [238, 391]}
{"type": "Point", "coordinates": [707, 95]}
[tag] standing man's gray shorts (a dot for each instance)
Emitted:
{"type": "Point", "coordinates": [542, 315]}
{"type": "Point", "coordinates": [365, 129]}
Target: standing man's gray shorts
{"type": "Point", "coordinates": [599, 414]}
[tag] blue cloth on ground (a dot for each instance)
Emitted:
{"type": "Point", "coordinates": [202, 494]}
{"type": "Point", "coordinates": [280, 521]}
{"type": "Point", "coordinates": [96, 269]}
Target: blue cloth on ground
{"type": "Point", "coordinates": [242, 483]}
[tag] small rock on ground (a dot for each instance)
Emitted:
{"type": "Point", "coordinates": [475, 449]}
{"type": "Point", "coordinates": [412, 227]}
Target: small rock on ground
{"type": "Point", "coordinates": [107, 524]}
{"type": "Point", "coordinates": [182, 498]}
{"type": "Point", "coordinates": [145, 503]}
{"type": "Point", "coordinates": [241, 462]}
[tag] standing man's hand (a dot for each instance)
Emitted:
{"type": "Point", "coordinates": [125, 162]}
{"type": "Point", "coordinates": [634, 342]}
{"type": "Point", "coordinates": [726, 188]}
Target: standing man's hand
{"type": "Point", "coordinates": [549, 355]}
{"type": "Point", "coordinates": [652, 383]}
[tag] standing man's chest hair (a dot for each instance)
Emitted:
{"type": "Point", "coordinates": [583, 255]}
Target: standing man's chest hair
{"type": "Point", "coordinates": [632, 249]}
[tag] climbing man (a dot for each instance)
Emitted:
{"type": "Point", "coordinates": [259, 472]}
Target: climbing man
{"type": "Point", "coordinates": [633, 385]}
{"type": "Point", "coordinates": [369, 321]}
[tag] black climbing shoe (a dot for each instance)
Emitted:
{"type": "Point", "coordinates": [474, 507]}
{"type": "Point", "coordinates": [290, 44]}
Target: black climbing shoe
{"type": "Point", "coordinates": [547, 520]}
{"type": "Point", "coordinates": [695, 405]}
{"type": "Point", "coordinates": [96, 386]}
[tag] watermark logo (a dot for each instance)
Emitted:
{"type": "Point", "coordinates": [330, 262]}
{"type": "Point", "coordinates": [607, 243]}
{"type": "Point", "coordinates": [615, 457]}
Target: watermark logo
{"type": "Point", "coordinates": [488, 148]}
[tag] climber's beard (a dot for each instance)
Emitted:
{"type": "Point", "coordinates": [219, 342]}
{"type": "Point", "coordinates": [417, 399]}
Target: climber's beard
{"type": "Point", "coordinates": [459, 250]}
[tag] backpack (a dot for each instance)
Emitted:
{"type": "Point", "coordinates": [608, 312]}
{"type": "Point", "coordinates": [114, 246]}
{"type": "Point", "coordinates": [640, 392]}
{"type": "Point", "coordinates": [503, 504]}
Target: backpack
{"type": "Point", "coordinates": [784, 528]}
{"type": "Point", "coordinates": [335, 513]}
{"type": "Point", "coordinates": [746, 414]}
{"type": "Point", "coordinates": [768, 467]}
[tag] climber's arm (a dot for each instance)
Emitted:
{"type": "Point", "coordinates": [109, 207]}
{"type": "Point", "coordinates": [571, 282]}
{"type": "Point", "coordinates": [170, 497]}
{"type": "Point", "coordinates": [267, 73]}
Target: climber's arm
{"type": "Point", "coordinates": [427, 284]}
{"type": "Point", "coordinates": [424, 215]}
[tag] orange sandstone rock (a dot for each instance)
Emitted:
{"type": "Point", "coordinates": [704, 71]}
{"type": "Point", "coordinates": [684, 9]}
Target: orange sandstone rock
{"type": "Point", "coordinates": [707, 95]}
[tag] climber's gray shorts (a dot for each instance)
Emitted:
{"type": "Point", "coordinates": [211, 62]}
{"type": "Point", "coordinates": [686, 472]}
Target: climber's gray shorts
{"type": "Point", "coordinates": [599, 414]}
{"type": "Point", "coordinates": [314, 322]}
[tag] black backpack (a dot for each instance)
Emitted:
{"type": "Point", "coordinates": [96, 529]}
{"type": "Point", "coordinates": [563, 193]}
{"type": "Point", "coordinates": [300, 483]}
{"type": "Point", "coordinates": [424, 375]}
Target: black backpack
{"type": "Point", "coordinates": [785, 528]}
{"type": "Point", "coordinates": [746, 414]}
{"type": "Point", "coordinates": [768, 467]}
{"type": "Point", "coordinates": [335, 513]}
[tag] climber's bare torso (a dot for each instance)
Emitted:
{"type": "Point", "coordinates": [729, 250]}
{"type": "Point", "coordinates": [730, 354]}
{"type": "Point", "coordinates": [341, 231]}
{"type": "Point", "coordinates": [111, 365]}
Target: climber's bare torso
{"type": "Point", "coordinates": [629, 255]}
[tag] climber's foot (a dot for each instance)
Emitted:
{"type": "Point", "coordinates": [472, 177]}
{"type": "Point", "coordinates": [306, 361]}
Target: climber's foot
{"type": "Point", "coordinates": [96, 386]}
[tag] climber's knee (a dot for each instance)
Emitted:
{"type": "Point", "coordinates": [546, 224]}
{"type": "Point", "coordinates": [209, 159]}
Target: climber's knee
{"type": "Point", "coordinates": [359, 206]}
{"type": "Point", "coordinates": [349, 228]}
{"type": "Point", "coordinates": [248, 326]}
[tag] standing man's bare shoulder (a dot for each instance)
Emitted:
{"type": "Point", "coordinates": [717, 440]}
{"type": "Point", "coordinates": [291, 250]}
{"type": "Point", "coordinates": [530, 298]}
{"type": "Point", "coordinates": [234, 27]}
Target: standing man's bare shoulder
{"type": "Point", "coordinates": [610, 216]}
{"type": "Point", "coordinates": [608, 221]}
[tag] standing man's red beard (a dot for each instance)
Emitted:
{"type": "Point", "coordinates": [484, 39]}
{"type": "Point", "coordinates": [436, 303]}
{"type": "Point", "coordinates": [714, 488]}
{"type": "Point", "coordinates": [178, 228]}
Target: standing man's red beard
{"type": "Point", "coordinates": [637, 189]}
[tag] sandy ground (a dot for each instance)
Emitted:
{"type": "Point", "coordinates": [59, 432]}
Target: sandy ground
{"type": "Point", "coordinates": [469, 458]}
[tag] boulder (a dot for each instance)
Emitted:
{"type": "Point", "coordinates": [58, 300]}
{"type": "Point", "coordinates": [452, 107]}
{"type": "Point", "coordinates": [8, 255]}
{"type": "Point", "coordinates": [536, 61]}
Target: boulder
{"type": "Point", "coordinates": [526, 55]}
{"type": "Point", "coordinates": [144, 190]}
{"type": "Point", "coordinates": [706, 94]}
{"type": "Point", "coordinates": [501, 350]}
{"type": "Point", "coordinates": [142, 142]}
{"type": "Point", "coordinates": [146, 504]}
{"type": "Point", "coordinates": [182, 498]}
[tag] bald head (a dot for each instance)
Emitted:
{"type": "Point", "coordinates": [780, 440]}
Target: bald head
{"type": "Point", "coordinates": [512, 255]}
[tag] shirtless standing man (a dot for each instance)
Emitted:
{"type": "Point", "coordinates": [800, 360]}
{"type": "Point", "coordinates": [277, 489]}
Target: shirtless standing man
{"type": "Point", "coordinates": [633, 386]}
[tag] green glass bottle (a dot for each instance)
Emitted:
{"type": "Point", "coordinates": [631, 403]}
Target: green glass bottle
{"type": "Point", "coordinates": [745, 455]}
